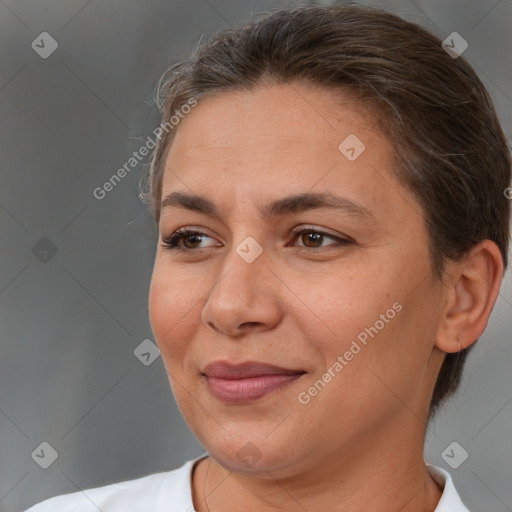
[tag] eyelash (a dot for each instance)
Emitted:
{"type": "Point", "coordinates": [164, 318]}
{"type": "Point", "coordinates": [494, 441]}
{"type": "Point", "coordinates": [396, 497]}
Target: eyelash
{"type": "Point", "coordinates": [172, 241]}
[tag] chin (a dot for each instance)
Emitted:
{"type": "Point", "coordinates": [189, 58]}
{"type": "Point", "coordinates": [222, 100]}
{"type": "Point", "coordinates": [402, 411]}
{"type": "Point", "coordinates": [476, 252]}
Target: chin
{"type": "Point", "coordinates": [252, 455]}
{"type": "Point", "coordinates": [248, 460]}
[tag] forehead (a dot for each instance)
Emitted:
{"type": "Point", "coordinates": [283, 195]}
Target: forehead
{"type": "Point", "coordinates": [271, 117]}
{"type": "Point", "coordinates": [282, 140]}
{"type": "Point", "coordinates": [285, 131]}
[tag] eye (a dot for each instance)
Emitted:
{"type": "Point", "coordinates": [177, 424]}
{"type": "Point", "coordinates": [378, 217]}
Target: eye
{"type": "Point", "coordinates": [191, 238]}
{"type": "Point", "coordinates": [173, 242]}
{"type": "Point", "coordinates": [315, 237]}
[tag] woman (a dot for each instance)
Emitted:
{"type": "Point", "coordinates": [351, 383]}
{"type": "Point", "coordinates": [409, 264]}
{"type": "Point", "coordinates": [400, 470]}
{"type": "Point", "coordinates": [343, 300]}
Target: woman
{"type": "Point", "coordinates": [329, 187]}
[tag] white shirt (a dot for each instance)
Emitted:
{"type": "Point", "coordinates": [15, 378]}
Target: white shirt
{"type": "Point", "coordinates": [170, 491]}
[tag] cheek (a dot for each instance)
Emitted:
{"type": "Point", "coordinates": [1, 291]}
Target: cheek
{"type": "Point", "coordinates": [360, 318]}
{"type": "Point", "coordinates": [345, 304]}
{"type": "Point", "coordinates": [382, 335]}
{"type": "Point", "coordinates": [171, 307]}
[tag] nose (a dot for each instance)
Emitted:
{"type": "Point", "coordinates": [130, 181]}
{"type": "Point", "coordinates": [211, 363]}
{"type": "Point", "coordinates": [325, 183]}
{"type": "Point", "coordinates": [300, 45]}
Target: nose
{"type": "Point", "coordinates": [244, 298]}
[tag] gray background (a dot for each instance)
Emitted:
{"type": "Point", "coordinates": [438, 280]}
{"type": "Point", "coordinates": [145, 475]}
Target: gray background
{"type": "Point", "coordinates": [70, 321]}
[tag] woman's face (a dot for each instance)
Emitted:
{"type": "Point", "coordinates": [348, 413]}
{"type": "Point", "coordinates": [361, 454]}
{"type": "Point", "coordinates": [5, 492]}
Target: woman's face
{"type": "Point", "coordinates": [353, 322]}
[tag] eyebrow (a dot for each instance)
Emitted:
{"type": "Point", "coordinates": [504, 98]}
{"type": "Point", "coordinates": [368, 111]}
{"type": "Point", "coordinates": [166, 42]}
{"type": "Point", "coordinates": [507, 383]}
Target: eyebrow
{"type": "Point", "coordinates": [287, 205]}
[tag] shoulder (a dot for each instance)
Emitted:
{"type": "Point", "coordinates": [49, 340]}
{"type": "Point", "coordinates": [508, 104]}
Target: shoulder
{"type": "Point", "coordinates": [152, 492]}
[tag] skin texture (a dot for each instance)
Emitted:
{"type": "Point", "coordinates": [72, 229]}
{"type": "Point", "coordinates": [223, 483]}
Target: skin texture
{"type": "Point", "coordinates": [359, 441]}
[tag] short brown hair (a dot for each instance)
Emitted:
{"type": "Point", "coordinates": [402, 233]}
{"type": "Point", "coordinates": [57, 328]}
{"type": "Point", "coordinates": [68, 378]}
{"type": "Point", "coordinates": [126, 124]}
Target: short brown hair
{"type": "Point", "coordinates": [450, 151]}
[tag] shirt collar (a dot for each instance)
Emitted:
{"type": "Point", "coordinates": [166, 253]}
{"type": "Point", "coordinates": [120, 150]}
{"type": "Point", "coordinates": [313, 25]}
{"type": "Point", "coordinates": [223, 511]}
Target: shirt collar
{"type": "Point", "coordinates": [450, 500]}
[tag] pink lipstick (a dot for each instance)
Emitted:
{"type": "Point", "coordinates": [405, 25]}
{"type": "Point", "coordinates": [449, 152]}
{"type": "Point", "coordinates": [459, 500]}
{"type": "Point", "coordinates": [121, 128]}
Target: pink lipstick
{"type": "Point", "coordinates": [241, 383]}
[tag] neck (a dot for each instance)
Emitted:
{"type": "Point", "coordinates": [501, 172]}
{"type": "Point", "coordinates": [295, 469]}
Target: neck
{"type": "Point", "coordinates": [386, 472]}
{"type": "Point", "coordinates": [393, 484]}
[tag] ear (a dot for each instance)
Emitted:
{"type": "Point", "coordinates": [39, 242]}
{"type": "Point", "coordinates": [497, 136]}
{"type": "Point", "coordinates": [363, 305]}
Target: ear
{"type": "Point", "coordinates": [472, 289]}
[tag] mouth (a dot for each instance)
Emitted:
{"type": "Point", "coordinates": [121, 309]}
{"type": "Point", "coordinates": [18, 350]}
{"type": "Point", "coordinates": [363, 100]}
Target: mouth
{"type": "Point", "coordinates": [246, 382]}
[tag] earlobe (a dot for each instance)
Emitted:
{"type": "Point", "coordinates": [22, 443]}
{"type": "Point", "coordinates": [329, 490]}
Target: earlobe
{"type": "Point", "coordinates": [472, 291]}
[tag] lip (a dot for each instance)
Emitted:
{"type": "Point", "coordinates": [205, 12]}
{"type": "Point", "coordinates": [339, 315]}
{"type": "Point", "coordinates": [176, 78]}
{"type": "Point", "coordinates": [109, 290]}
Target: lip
{"type": "Point", "coordinates": [245, 382]}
